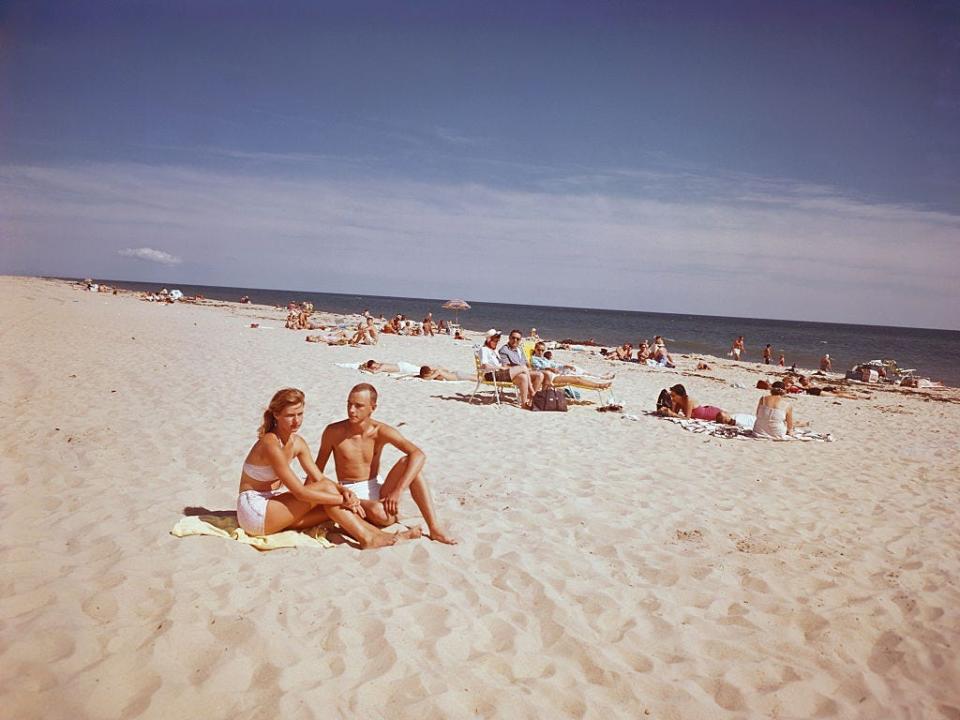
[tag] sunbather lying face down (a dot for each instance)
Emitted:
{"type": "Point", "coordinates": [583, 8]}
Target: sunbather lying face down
{"type": "Point", "coordinates": [272, 498]}
{"type": "Point", "coordinates": [372, 366]}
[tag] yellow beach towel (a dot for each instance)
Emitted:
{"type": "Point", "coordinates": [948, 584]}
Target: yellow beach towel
{"type": "Point", "coordinates": [226, 527]}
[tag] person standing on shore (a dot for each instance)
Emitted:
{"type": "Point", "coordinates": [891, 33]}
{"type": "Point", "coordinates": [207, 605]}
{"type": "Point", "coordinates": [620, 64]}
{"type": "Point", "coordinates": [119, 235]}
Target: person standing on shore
{"type": "Point", "coordinates": [737, 350]}
{"type": "Point", "coordinates": [825, 364]}
{"type": "Point", "coordinates": [357, 444]}
{"type": "Point", "coordinates": [767, 354]}
{"type": "Point", "coordinates": [783, 359]}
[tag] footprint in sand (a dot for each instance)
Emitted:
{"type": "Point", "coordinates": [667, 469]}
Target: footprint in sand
{"type": "Point", "coordinates": [756, 546]}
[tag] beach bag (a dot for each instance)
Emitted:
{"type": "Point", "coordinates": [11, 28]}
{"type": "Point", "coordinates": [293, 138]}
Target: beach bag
{"type": "Point", "coordinates": [549, 400]}
{"type": "Point", "coordinates": [664, 400]}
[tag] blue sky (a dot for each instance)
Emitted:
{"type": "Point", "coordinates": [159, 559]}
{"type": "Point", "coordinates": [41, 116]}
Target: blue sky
{"type": "Point", "coordinates": [792, 160]}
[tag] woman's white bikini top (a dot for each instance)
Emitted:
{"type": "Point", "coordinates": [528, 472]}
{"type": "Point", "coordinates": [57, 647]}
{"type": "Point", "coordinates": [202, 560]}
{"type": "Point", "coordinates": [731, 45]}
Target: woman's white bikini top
{"type": "Point", "coordinates": [263, 473]}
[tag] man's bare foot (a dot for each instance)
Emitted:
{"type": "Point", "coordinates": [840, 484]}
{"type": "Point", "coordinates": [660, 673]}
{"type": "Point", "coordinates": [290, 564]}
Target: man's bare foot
{"type": "Point", "coordinates": [385, 539]}
{"type": "Point", "coordinates": [438, 536]}
{"type": "Point", "coordinates": [414, 533]}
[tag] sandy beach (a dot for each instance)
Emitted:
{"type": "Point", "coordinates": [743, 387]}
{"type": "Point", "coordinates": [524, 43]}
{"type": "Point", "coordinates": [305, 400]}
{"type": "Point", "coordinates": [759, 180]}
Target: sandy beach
{"type": "Point", "coordinates": [607, 566]}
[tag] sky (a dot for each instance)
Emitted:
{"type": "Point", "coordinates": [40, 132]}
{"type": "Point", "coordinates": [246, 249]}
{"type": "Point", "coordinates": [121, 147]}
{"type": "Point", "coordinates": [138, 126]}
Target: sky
{"type": "Point", "coordinates": [796, 160]}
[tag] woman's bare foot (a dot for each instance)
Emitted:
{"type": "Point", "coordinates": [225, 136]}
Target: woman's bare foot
{"type": "Point", "coordinates": [439, 536]}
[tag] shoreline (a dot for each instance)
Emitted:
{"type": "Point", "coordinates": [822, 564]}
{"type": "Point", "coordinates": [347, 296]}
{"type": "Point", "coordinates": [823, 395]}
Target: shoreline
{"type": "Point", "coordinates": [607, 565]}
{"type": "Point", "coordinates": [342, 318]}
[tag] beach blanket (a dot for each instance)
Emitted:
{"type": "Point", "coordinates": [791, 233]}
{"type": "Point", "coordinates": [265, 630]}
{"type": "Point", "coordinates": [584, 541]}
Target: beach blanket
{"type": "Point", "coordinates": [731, 431]}
{"type": "Point", "coordinates": [226, 527]}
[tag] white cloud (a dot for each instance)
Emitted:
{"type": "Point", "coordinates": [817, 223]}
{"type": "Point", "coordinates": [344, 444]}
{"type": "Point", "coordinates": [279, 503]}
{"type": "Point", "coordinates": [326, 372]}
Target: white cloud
{"type": "Point", "coordinates": [145, 253]}
{"type": "Point", "coordinates": [683, 243]}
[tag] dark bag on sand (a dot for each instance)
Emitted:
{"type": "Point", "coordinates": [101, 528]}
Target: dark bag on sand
{"type": "Point", "coordinates": [549, 400]}
{"type": "Point", "coordinates": [664, 400]}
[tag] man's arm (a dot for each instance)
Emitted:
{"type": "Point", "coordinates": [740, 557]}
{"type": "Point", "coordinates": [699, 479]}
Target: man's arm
{"type": "Point", "coordinates": [415, 461]}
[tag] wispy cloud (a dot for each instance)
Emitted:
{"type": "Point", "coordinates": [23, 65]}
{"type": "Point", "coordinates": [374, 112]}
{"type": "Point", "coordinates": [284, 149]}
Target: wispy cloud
{"type": "Point", "coordinates": [145, 253]}
{"type": "Point", "coordinates": [675, 243]}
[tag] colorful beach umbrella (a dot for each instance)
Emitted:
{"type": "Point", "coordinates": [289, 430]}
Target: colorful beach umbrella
{"type": "Point", "coordinates": [456, 305]}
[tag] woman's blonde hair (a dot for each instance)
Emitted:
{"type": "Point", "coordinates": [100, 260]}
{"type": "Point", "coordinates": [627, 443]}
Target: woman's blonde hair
{"type": "Point", "coordinates": [281, 400]}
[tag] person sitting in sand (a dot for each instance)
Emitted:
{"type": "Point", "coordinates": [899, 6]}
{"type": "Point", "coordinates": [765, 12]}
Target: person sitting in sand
{"type": "Point", "coordinates": [357, 444]}
{"type": "Point", "coordinates": [774, 414]}
{"type": "Point", "coordinates": [372, 366]}
{"type": "Point", "coordinates": [560, 374]}
{"type": "Point", "coordinates": [427, 325]}
{"type": "Point", "coordinates": [272, 498]}
{"type": "Point", "coordinates": [683, 405]}
{"type": "Point", "coordinates": [438, 373]}
{"type": "Point", "coordinates": [457, 335]}
{"type": "Point", "coordinates": [494, 369]}
{"type": "Point", "coordinates": [643, 351]}
{"type": "Point", "coordinates": [372, 332]}
{"type": "Point", "coordinates": [511, 355]}
{"type": "Point", "coordinates": [660, 354]}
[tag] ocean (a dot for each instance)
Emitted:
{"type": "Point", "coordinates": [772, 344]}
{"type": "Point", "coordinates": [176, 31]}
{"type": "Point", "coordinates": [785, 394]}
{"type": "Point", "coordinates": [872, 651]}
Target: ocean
{"type": "Point", "coordinates": [933, 353]}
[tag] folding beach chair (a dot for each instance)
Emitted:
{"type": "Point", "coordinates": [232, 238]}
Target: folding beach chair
{"type": "Point", "coordinates": [497, 385]}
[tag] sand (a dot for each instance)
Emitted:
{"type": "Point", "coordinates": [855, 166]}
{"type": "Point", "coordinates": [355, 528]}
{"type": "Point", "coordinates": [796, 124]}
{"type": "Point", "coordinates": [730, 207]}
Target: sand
{"type": "Point", "coordinates": [607, 568]}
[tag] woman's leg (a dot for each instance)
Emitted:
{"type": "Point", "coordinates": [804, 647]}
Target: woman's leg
{"type": "Point", "coordinates": [286, 512]}
{"type": "Point", "coordinates": [580, 381]}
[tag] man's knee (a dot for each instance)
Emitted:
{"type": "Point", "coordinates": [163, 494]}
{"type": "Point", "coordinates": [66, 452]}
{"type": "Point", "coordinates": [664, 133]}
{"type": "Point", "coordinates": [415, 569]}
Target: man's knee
{"type": "Point", "coordinates": [376, 514]}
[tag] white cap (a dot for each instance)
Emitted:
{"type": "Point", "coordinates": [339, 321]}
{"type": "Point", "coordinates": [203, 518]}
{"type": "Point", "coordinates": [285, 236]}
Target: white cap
{"type": "Point", "coordinates": [493, 333]}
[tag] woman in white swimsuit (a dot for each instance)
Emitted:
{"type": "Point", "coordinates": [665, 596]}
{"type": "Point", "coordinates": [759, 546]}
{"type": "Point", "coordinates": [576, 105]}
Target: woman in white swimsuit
{"type": "Point", "coordinates": [272, 498]}
{"type": "Point", "coordinates": [774, 415]}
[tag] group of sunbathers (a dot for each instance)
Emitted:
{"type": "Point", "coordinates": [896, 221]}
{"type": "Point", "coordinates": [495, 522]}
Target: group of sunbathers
{"type": "Point", "coordinates": [400, 325]}
{"type": "Point", "coordinates": [647, 354]}
{"type": "Point", "coordinates": [272, 498]}
{"type": "Point", "coordinates": [773, 418]}
{"type": "Point", "coordinates": [509, 364]}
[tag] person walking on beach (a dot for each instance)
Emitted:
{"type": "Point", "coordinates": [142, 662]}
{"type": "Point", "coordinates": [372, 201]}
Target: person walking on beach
{"type": "Point", "coordinates": [271, 496]}
{"type": "Point", "coordinates": [767, 354]}
{"type": "Point", "coordinates": [737, 349]}
{"type": "Point", "coordinates": [357, 444]}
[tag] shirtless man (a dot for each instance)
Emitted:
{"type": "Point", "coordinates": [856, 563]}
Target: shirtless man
{"type": "Point", "coordinates": [357, 444]}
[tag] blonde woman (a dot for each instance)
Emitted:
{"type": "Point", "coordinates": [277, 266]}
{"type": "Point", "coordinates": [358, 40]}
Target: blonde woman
{"type": "Point", "coordinates": [272, 498]}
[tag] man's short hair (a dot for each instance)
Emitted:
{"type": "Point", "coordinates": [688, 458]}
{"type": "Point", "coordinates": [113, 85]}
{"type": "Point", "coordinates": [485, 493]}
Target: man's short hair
{"type": "Point", "coordinates": [360, 387]}
{"type": "Point", "coordinates": [370, 363]}
{"type": "Point", "coordinates": [517, 332]}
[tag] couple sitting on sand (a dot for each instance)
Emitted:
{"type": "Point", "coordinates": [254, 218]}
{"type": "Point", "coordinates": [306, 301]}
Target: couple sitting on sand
{"type": "Point", "coordinates": [272, 498]}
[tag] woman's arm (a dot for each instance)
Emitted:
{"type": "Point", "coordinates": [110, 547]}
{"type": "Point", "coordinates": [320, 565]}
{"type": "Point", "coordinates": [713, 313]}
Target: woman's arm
{"type": "Point", "coordinates": [325, 494]}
